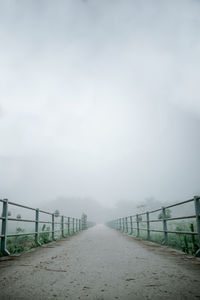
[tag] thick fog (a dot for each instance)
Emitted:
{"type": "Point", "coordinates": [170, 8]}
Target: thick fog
{"type": "Point", "coordinates": [99, 104]}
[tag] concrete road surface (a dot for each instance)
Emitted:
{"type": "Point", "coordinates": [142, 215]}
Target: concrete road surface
{"type": "Point", "coordinates": [98, 264]}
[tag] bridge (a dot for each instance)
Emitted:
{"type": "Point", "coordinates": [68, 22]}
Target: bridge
{"type": "Point", "coordinates": [100, 262]}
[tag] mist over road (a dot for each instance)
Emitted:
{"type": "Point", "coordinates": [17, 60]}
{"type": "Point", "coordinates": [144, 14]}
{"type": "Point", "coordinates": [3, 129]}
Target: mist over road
{"type": "Point", "coordinates": [100, 263]}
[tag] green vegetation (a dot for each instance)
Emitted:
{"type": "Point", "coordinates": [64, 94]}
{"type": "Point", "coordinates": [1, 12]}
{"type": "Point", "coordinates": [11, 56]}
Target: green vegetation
{"type": "Point", "coordinates": [45, 237]}
{"type": "Point", "coordinates": [18, 244]}
{"type": "Point", "coordinates": [167, 213]}
{"type": "Point", "coordinates": [57, 213]}
{"type": "Point", "coordinates": [184, 242]}
{"type": "Point", "coordinates": [84, 221]}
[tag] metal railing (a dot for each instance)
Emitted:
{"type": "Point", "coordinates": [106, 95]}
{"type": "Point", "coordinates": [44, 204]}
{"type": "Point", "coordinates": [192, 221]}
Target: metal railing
{"type": "Point", "coordinates": [134, 222]}
{"type": "Point", "coordinates": [72, 225]}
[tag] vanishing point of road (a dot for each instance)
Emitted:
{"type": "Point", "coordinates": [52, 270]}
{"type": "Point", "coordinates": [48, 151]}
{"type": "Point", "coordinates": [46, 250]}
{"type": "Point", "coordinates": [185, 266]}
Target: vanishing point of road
{"type": "Point", "coordinates": [100, 264]}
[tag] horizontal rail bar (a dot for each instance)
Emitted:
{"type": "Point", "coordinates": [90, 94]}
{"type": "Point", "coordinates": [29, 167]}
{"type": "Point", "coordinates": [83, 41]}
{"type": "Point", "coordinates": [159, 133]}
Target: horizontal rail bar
{"type": "Point", "coordinates": [21, 220]}
{"type": "Point", "coordinates": [128, 222]}
{"type": "Point", "coordinates": [180, 203]}
{"type": "Point", "coordinates": [21, 234]}
{"type": "Point", "coordinates": [169, 231]}
{"type": "Point", "coordinates": [157, 220]}
{"type": "Point", "coordinates": [45, 212]}
{"type": "Point", "coordinates": [30, 208]}
{"type": "Point", "coordinates": [139, 228]}
{"type": "Point", "coordinates": [141, 214]}
{"type": "Point", "coordinates": [156, 210]}
{"type": "Point", "coordinates": [170, 219]}
{"type": "Point", "coordinates": [30, 233]}
{"type": "Point", "coordinates": [50, 222]}
{"type": "Point", "coordinates": [46, 222]}
{"type": "Point", "coordinates": [50, 231]}
{"type": "Point", "coordinates": [177, 232]}
{"type": "Point", "coordinates": [180, 218]}
{"type": "Point", "coordinates": [183, 232]}
{"type": "Point", "coordinates": [156, 230]}
{"type": "Point", "coordinates": [20, 205]}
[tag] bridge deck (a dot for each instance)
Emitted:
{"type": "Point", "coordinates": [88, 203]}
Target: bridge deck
{"type": "Point", "coordinates": [100, 263]}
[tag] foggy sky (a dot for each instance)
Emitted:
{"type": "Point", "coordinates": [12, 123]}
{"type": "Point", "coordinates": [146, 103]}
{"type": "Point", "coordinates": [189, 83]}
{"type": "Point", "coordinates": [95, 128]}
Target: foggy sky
{"type": "Point", "coordinates": [99, 99]}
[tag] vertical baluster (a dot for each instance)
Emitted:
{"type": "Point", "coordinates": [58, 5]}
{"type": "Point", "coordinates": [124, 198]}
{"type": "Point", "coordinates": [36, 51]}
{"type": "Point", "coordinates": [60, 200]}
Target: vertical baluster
{"type": "Point", "coordinates": [53, 227]}
{"type": "Point", "coordinates": [148, 226]}
{"type": "Point", "coordinates": [79, 224]}
{"type": "Point", "coordinates": [4, 227]}
{"type": "Point", "coordinates": [165, 241]}
{"type": "Point", "coordinates": [37, 227]}
{"type": "Point", "coordinates": [68, 225]}
{"type": "Point", "coordinates": [138, 225]}
{"type": "Point", "coordinates": [197, 211]}
{"type": "Point", "coordinates": [62, 223]}
{"type": "Point", "coordinates": [73, 225]}
{"type": "Point", "coordinates": [131, 223]}
{"type": "Point", "coordinates": [120, 224]}
{"type": "Point", "coordinates": [126, 222]}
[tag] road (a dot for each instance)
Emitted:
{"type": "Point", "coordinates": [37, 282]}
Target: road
{"type": "Point", "coordinates": [100, 264]}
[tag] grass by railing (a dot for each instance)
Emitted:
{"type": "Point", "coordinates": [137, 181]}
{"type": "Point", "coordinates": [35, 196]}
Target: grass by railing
{"type": "Point", "coordinates": [47, 227]}
{"type": "Point", "coordinates": [185, 236]}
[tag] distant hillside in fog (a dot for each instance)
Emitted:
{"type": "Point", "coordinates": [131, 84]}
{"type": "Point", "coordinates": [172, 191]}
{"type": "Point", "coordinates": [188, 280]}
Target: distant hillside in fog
{"type": "Point", "coordinates": [75, 206]}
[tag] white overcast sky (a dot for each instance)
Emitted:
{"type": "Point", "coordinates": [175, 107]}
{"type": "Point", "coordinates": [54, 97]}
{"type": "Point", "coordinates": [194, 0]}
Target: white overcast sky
{"type": "Point", "coordinates": [99, 99]}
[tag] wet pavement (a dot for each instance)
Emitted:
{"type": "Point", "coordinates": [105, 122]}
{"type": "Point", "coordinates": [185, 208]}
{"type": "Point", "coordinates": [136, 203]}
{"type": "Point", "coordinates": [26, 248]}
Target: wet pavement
{"type": "Point", "coordinates": [100, 264]}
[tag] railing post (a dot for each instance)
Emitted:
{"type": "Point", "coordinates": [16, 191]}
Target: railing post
{"type": "Point", "coordinates": [120, 224]}
{"type": "Point", "coordinates": [123, 224]}
{"type": "Point", "coordinates": [148, 226]}
{"type": "Point", "coordinates": [37, 227]}
{"type": "Point", "coordinates": [68, 225]}
{"type": "Point", "coordinates": [197, 211]}
{"type": "Point", "coordinates": [165, 241]}
{"type": "Point", "coordinates": [72, 225]}
{"type": "Point", "coordinates": [79, 224]}
{"type": "Point", "coordinates": [76, 225]}
{"type": "Point", "coordinates": [53, 227]}
{"type": "Point", "coordinates": [131, 222]}
{"type": "Point", "coordinates": [62, 223]}
{"type": "Point", "coordinates": [4, 227]}
{"type": "Point", "coordinates": [138, 226]}
{"type": "Point", "coordinates": [126, 221]}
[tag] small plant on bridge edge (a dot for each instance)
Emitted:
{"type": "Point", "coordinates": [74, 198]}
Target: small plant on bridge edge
{"type": "Point", "coordinates": [45, 235]}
